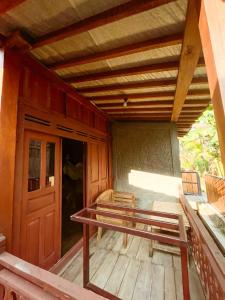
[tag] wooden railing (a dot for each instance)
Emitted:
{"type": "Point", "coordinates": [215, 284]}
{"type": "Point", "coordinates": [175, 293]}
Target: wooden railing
{"type": "Point", "coordinates": [20, 280]}
{"type": "Point", "coordinates": [215, 188]}
{"type": "Point", "coordinates": [191, 183]}
{"type": "Point", "coordinates": [209, 260]}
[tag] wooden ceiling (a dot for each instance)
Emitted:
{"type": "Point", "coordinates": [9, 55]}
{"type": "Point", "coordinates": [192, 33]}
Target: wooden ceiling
{"type": "Point", "coordinates": [133, 59]}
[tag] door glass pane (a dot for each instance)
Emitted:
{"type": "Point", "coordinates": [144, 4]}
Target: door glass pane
{"type": "Point", "coordinates": [50, 164]}
{"type": "Point", "coordinates": [34, 165]}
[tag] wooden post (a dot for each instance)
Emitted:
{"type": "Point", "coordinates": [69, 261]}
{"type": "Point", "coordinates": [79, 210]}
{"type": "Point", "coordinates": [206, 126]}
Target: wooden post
{"type": "Point", "coordinates": [85, 255]}
{"type": "Point", "coordinates": [211, 26]}
{"type": "Point", "coordinates": [185, 278]}
{"type": "Point", "coordinates": [8, 123]}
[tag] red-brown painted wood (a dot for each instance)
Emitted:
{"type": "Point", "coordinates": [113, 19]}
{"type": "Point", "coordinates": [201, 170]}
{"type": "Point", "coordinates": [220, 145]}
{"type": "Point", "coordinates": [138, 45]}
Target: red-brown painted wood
{"type": "Point", "coordinates": [8, 125]}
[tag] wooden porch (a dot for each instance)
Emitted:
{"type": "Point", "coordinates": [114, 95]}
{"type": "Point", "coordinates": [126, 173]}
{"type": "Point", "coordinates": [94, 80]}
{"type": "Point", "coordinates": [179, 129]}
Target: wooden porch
{"type": "Point", "coordinates": [98, 72]}
{"type": "Point", "coordinates": [130, 273]}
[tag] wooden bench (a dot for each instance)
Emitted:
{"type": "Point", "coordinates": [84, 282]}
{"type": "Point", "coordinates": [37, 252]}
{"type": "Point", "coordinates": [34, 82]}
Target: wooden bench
{"type": "Point", "coordinates": [114, 197]}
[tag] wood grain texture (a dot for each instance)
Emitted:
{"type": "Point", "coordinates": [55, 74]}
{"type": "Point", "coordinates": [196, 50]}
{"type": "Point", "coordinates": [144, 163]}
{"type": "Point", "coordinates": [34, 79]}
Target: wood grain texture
{"type": "Point", "coordinates": [153, 68]}
{"type": "Point", "coordinates": [8, 128]}
{"type": "Point", "coordinates": [151, 44]}
{"type": "Point", "coordinates": [136, 85]}
{"type": "Point", "coordinates": [190, 54]}
{"type": "Point", "coordinates": [106, 17]}
{"type": "Point", "coordinates": [211, 26]}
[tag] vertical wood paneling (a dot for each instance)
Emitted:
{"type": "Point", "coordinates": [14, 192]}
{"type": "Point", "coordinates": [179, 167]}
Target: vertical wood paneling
{"type": "Point", "coordinates": [8, 128]}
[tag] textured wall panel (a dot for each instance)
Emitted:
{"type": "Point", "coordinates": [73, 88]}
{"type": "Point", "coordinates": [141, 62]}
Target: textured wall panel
{"type": "Point", "coordinates": [145, 160]}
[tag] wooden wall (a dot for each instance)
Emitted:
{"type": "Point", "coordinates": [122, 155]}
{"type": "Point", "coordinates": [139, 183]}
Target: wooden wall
{"type": "Point", "coordinates": [48, 105]}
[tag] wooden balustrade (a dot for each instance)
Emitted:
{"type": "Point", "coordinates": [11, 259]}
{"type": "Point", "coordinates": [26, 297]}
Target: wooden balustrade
{"type": "Point", "coordinates": [209, 260]}
{"type": "Point", "coordinates": [20, 280]}
{"type": "Point", "coordinates": [215, 188]}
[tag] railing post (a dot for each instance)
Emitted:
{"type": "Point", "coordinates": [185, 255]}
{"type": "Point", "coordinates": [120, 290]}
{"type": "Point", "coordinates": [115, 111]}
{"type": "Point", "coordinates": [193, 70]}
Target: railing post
{"type": "Point", "coordinates": [85, 255]}
{"type": "Point", "coordinates": [185, 277]}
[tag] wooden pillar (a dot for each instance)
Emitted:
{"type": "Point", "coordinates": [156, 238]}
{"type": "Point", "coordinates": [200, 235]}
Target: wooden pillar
{"type": "Point", "coordinates": [212, 32]}
{"type": "Point", "coordinates": [8, 124]}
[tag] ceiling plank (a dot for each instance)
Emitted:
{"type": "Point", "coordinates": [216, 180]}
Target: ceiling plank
{"type": "Point", "coordinates": [190, 54]}
{"type": "Point", "coordinates": [152, 68]}
{"type": "Point", "coordinates": [106, 17]}
{"type": "Point", "coordinates": [6, 5]}
{"type": "Point", "coordinates": [136, 85]}
{"type": "Point", "coordinates": [156, 43]}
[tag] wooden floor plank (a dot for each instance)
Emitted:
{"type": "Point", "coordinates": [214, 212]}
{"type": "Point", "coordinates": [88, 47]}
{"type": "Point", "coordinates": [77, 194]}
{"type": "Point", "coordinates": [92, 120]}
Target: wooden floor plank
{"type": "Point", "coordinates": [157, 291]}
{"type": "Point", "coordinates": [143, 251]}
{"type": "Point", "coordinates": [170, 289]}
{"type": "Point", "coordinates": [114, 282]}
{"type": "Point", "coordinates": [178, 284]}
{"type": "Point", "coordinates": [162, 258]}
{"type": "Point", "coordinates": [103, 273]}
{"type": "Point", "coordinates": [95, 262]}
{"type": "Point", "coordinates": [143, 285]}
{"type": "Point", "coordinates": [133, 274]}
{"type": "Point", "coordinates": [74, 269]}
{"type": "Point", "coordinates": [129, 281]}
{"type": "Point", "coordinates": [134, 247]}
{"type": "Point", "coordinates": [112, 240]}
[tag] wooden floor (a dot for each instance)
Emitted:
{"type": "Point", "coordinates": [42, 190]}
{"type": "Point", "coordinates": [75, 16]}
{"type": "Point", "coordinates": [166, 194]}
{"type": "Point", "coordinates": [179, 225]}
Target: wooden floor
{"type": "Point", "coordinates": [130, 273]}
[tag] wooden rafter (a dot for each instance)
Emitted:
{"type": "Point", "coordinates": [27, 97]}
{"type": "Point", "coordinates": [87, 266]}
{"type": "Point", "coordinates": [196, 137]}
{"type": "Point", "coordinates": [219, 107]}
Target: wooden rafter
{"type": "Point", "coordinates": [6, 5]}
{"type": "Point", "coordinates": [137, 85]}
{"type": "Point", "coordinates": [190, 54]}
{"type": "Point", "coordinates": [106, 17]}
{"type": "Point", "coordinates": [151, 109]}
{"type": "Point", "coordinates": [151, 95]}
{"type": "Point", "coordinates": [152, 68]}
{"type": "Point", "coordinates": [138, 116]}
{"type": "Point", "coordinates": [151, 44]}
{"type": "Point", "coordinates": [188, 103]}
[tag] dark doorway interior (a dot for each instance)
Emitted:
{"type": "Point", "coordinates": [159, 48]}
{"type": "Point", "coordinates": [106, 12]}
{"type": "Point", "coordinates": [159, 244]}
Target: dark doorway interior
{"type": "Point", "coordinates": [73, 180]}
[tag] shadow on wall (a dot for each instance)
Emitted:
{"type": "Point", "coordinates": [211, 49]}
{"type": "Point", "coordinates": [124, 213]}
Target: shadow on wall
{"type": "Point", "coordinates": [161, 187]}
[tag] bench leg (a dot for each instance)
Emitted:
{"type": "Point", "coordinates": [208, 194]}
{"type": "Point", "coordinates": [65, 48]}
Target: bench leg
{"type": "Point", "coordinates": [150, 244]}
{"type": "Point", "coordinates": [99, 235]}
{"type": "Point", "coordinates": [125, 240]}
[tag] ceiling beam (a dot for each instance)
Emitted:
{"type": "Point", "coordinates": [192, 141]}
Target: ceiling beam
{"type": "Point", "coordinates": [152, 95]}
{"type": "Point", "coordinates": [137, 85]}
{"type": "Point", "coordinates": [111, 15]}
{"type": "Point", "coordinates": [188, 103]}
{"type": "Point", "coordinates": [151, 44]}
{"type": "Point", "coordinates": [152, 68]}
{"type": "Point", "coordinates": [141, 116]}
{"type": "Point", "coordinates": [6, 5]}
{"type": "Point", "coordinates": [191, 50]}
{"type": "Point", "coordinates": [151, 109]}
{"type": "Point", "coordinates": [142, 111]}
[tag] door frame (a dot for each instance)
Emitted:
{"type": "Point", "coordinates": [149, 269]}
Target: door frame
{"type": "Point", "coordinates": [85, 166]}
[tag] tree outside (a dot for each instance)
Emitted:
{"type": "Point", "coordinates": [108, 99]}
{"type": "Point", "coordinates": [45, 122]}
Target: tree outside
{"type": "Point", "coordinates": [199, 149]}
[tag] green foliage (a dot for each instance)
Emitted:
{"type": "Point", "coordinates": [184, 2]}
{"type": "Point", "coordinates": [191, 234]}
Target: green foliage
{"type": "Point", "coordinates": [199, 149]}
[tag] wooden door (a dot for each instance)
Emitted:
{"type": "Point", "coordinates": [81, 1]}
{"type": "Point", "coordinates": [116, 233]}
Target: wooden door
{"type": "Point", "coordinates": [41, 222]}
